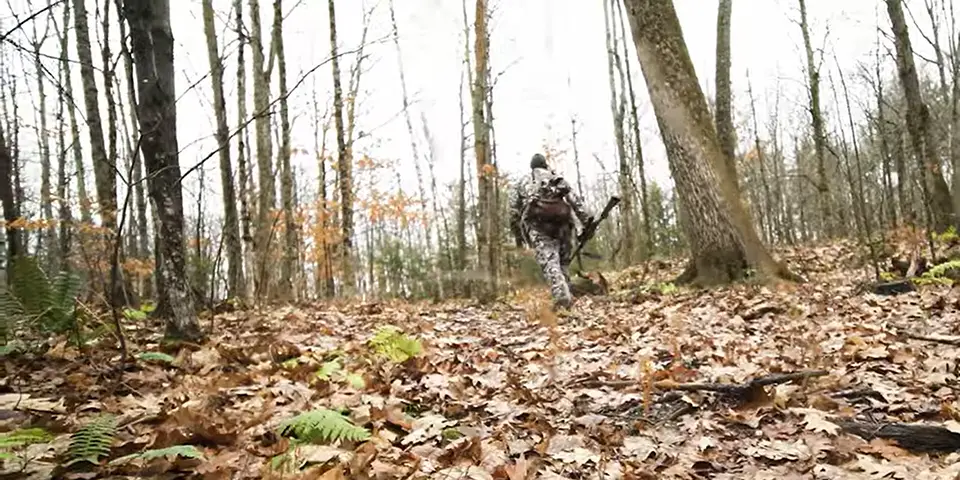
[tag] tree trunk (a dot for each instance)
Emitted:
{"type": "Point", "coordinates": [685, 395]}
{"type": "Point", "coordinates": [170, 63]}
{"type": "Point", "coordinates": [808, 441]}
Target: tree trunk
{"type": "Point", "coordinates": [486, 172]}
{"type": "Point", "coordinates": [231, 223]}
{"type": "Point", "coordinates": [266, 200]}
{"type": "Point", "coordinates": [724, 97]}
{"type": "Point", "coordinates": [816, 120]}
{"type": "Point", "coordinates": [635, 124]}
{"type": "Point", "coordinates": [11, 208]}
{"type": "Point", "coordinates": [63, 213]}
{"type": "Point", "coordinates": [724, 243]}
{"type": "Point", "coordinates": [48, 238]}
{"type": "Point", "coordinates": [152, 41]}
{"type": "Point", "coordinates": [291, 250]}
{"type": "Point", "coordinates": [243, 172]}
{"type": "Point", "coordinates": [617, 106]}
{"type": "Point", "coordinates": [103, 170]}
{"type": "Point", "coordinates": [344, 163]}
{"type": "Point", "coordinates": [142, 249]}
{"type": "Point", "coordinates": [918, 123]}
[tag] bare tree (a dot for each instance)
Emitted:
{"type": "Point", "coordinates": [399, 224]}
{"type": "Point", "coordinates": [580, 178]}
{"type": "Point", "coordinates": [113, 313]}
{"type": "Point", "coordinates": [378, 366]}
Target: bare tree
{"type": "Point", "coordinates": [724, 243]}
{"type": "Point", "coordinates": [919, 124]}
{"type": "Point", "coordinates": [103, 170]}
{"type": "Point", "coordinates": [344, 160]}
{"type": "Point", "coordinates": [231, 223]}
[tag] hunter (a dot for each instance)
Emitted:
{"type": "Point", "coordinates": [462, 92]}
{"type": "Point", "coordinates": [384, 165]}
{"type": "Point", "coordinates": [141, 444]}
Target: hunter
{"type": "Point", "coordinates": [542, 209]}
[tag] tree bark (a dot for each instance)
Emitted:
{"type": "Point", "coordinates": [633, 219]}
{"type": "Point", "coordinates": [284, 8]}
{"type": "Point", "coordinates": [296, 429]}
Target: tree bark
{"type": "Point", "coordinates": [724, 97]}
{"type": "Point", "coordinates": [152, 41]}
{"type": "Point", "coordinates": [231, 223]}
{"type": "Point", "coordinates": [291, 244]}
{"type": "Point", "coordinates": [243, 172]}
{"type": "Point", "coordinates": [11, 208]}
{"type": "Point", "coordinates": [344, 162]}
{"type": "Point", "coordinates": [724, 243]}
{"type": "Point", "coordinates": [266, 199]}
{"type": "Point", "coordinates": [103, 170]}
{"type": "Point", "coordinates": [486, 171]}
{"type": "Point", "coordinates": [919, 125]}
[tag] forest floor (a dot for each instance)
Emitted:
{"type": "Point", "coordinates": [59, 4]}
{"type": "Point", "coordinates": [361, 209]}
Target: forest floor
{"type": "Point", "coordinates": [511, 391]}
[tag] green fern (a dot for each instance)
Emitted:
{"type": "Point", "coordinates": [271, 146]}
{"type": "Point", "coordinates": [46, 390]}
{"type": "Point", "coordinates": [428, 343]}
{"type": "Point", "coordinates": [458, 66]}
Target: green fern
{"type": "Point", "coordinates": [33, 297]}
{"type": "Point", "coordinates": [155, 357]}
{"type": "Point", "coordinates": [185, 451]}
{"type": "Point", "coordinates": [322, 425]}
{"type": "Point", "coordinates": [942, 269]}
{"type": "Point", "coordinates": [392, 343]}
{"type": "Point", "coordinates": [23, 437]}
{"type": "Point", "coordinates": [328, 369]}
{"type": "Point", "coordinates": [93, 440]}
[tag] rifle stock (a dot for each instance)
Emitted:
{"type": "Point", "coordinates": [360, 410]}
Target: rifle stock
{"type": "Point", "coordinates": [591, 229]}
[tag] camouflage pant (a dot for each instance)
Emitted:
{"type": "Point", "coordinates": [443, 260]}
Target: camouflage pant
{"type": "Point", "coordinates": [553, 255]}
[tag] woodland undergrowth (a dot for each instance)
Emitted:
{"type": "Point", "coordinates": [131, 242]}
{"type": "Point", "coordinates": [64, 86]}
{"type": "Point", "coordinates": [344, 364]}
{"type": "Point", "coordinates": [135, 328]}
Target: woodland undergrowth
{"type": "Point", "coordinates": [815, 380]}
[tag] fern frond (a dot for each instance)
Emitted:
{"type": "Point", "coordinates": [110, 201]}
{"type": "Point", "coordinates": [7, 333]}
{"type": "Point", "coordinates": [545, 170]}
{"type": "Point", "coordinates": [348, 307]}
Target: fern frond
{"type": "Point", "coordinates": [30, 285]}
{"type": "Point", "coordinates": [322, 425]}
{"type": "Point", "coordinates": [942, 269]}
{"type": "Point", "coordinates": [185, 451]}
{"type": "Point", "coordinates": [328, 369]}
{"type": "Point", "coordinates": [23, 437]}
{"type": "Point", "coordinates": [65, 287]}
{"type": "Point", "coordinates": [392, 343]}
{"type": "Point", "coordinates": [155, 357]}
{"type": "Point", "coordinates": [93, 440]}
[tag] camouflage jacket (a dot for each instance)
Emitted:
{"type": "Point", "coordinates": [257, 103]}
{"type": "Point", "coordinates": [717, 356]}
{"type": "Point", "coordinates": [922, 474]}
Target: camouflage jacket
{"type": "Point", "coordinates": [525, 189]}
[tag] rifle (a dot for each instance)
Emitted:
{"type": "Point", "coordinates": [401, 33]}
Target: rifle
{"type": "Point", "coordinates": [590, 229]}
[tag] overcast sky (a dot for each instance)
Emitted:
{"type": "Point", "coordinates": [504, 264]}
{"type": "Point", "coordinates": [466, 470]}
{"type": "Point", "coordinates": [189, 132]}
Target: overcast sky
{"type": "Point", "coordinates": [548, 56]}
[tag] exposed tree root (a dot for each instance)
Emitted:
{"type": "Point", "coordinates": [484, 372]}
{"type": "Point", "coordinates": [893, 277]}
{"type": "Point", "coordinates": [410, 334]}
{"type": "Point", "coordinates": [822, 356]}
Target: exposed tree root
{"type": "Point", "coordinates": [691, 276]}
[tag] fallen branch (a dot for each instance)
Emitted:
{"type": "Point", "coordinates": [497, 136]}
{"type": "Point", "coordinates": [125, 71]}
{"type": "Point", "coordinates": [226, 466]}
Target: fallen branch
{"type": "Point", "coordinates": [919, 438]}
{"type": "Point", "coordinates": [744, 390]}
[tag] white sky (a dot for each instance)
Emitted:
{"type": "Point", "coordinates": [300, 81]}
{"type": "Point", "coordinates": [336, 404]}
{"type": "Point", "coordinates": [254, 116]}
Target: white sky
{"type": "Point", "coordinates": [537, 45]}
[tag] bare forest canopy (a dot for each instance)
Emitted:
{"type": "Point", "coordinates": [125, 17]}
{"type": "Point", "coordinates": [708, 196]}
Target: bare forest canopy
{"type": "Point", "coordinates": [271, 183]}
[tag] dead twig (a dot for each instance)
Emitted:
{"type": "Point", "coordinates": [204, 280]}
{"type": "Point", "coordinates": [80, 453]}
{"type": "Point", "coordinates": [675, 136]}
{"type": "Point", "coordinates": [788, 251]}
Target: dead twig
{"type": "Point", "coordinates": [953, 341]}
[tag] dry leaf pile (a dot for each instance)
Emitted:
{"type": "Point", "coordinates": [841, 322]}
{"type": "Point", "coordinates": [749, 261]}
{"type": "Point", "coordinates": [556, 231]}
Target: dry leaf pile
{"type": "Point", "coordinates": [747, 382]}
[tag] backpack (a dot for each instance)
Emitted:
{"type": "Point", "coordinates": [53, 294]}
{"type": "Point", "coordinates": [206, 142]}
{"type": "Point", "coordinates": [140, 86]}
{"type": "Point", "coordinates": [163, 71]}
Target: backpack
{"type": "Point", "coordinates": [547, 204]}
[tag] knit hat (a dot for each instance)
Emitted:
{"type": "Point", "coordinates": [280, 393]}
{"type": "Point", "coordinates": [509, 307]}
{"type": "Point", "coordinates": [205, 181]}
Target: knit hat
{"type": "Point", "coordinates": [538, 161]}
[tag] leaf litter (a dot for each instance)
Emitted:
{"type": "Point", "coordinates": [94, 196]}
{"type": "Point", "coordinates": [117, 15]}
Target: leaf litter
{"type": "Point", "coordinates": [745, 382]}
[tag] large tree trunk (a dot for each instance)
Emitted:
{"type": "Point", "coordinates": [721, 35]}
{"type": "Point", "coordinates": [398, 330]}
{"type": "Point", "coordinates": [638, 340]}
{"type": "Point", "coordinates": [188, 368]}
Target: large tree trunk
{"type": "Point", "coordinates": [142, 248]}
{"type": "Point", "coordinates": [344, 163]}
{"type": "Point", "coordinates": [724, 97]}
{"type": "Point", "coordinates": [152, 41]}
{"type": "Point", "coordinates": [723, 241]}
{"type": "Point", "coordinates": [231, 223]}
{"type": "Point", "coordinates": [918, 123]}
